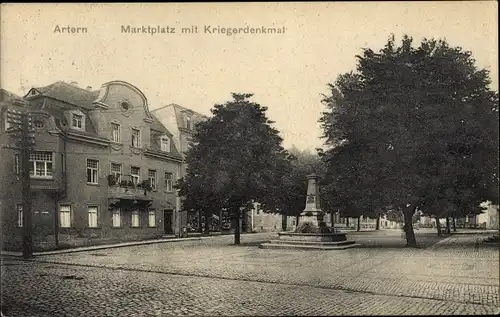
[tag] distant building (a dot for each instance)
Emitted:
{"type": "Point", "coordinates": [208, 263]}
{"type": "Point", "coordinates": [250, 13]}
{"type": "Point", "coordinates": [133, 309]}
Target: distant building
{"type": "Point", "coordinates": [180, 121]}
{"type": "Point", "coordinates": [256, 220]}
{"type": "Point", "coordinates": [102, 168]}
{"type": "Point", "coordinates": [488, 219]}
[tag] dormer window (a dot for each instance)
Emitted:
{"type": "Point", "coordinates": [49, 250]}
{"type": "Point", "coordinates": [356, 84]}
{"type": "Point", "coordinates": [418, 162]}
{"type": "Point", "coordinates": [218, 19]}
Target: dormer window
{"type": "Point", "coordinates": [188, 123]}
{"type": "Point", "coordinates": [136, 138]}
{"type": "Point", "coordinates": [77, 121]}
{"type": "Point", "coordinates": [165, 144]}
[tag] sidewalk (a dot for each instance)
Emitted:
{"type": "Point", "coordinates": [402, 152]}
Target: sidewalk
{"type": "Point", "coordinates": [475, 231]}
{"type": "Point", "coordinates": [460, 239]}
{"type": "Point", "coordinates": [191, 236]}
{"type": "Point", "coordinates": [103, 246]}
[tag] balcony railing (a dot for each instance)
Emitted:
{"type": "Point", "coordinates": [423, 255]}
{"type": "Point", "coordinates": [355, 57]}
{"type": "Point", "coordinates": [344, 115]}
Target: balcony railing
{"type": "Point", "coordinates": [128, 186]}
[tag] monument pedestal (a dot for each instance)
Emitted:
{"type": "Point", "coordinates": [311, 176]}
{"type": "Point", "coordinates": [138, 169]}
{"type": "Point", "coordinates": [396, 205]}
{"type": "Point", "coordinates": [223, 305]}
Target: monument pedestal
{"type": "Point", "coordinates": [313, 216]}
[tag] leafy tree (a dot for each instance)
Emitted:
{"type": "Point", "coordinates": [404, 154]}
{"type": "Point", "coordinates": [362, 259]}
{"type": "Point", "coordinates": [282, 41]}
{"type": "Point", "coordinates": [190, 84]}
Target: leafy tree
{"type": "Point", "coordinates": [419, 125]}
{"type": "Point", "coordinates": [237, 159]}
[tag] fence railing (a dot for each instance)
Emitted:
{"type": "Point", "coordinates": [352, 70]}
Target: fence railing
{"type": "Point", "coordinates": [128, 181]}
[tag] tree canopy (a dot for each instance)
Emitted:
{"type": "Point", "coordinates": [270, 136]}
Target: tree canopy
{"type": "Point", "coordinates": [412, 127]}
{"type": "Point", "coordinates": [237, 158]}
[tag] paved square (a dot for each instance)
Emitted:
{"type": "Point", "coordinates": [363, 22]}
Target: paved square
{"type": "Point", "coordinates": [212, 277]}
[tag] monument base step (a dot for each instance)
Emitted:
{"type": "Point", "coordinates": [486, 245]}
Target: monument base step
{"type": "Point", "coordinates": [304, 242]}
{"type": "Point", "coordinates": [298, 246]}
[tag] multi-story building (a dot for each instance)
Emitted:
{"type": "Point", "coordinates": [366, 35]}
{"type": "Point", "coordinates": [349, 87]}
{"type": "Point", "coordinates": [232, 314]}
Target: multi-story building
{"type": "Point", "coordinates": [102, 168]}
{"type": "Point", "coordinates": [181, 122]}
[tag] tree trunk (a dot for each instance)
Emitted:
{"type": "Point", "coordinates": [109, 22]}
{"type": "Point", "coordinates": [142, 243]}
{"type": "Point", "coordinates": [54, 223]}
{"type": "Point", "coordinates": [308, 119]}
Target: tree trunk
{"type": "Point", "coordinates": [377, 225]}
{"type": "Point", "coordinates": [438, 226]}
{"type": "Point", "coordinates": [297, 221]}
{"type": "Point", "coordinates": [359, 224]}
{"type": "Point", "coordinates": [283, 222]}
{"type": "Point", "coordinates": [447, 225]}
{"type": "Point", "coordinates": [220, 220]}
{"type": "Point", "coordinates": [347, 221]}
{"type": "Point", "coordinates": [200, 227]}
{"type": "Point", "coordinates": [237, 226]}
{"type": "Point", "coordinates": [207, 224]}
{"type": "Point", "coordinates": [408, 221]}
{"type": "Point", "coordinates": [454, 222]}
{"type": "Point", "coordinates": [332, 220]}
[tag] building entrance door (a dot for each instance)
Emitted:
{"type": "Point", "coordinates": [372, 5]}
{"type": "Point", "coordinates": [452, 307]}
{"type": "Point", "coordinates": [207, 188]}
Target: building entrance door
{"type": "Point", "coordinates": [168, 220]}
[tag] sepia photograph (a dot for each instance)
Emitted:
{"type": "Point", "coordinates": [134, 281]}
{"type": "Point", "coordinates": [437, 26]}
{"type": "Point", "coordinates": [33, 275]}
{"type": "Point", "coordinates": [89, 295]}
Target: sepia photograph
{"type": "Point", "coordinates": [249, 159]}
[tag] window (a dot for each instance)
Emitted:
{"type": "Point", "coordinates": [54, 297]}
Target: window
{"type": "Point", "coordinates": [7, 124]}
{"type": "Point", "coordinates": [125, 106]}
{"type": "Point", "coordinates": [116, 218]}
{"type": "Point", "coordinates": [20, 215]}
{"type": "Point", "coordinates": [92, 171]}
{"type": "Point", "coordinates": [16, 163]}
{"type": "Point", "coordinates": [76, 120]}
{"type": "Point", "coordinates": [152, 218]}
{"type": "Point", "coordinates": [136, 138]}
{"type": "Point", "coordinates": [135, 174]}
{"type": "Point", "coordinates": [169, 179]}
{"type": "Point", "coordinates": [93, 215]}
{"type": "Point", "coordinates": [165, 144]}
{"type": "Point", "coordinates": [38, 124]}
{"type": "Point", "coordinates": [188, 123]}
{"type": "Point", "coordinates": [152, 178]}
{"type": "Point", "coordinates": [115, 132]}
{"type": "Point", "coordinates": [116, 171]}
{"type": "Point", "coordinates": [135, 219]}
{"type": "Point", "coordinates": [41, 164]}
{"type": "Point", "coordinates": [65, 216]}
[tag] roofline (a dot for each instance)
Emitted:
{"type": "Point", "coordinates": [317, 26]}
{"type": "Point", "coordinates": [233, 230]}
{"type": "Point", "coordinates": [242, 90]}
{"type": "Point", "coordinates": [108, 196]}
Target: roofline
{"type": "Point", "coordinates": [181, 108]}
{"type": "Point", "coordinates": [125, 83]}
{"type": "Point", "coordinates": [163, 107]}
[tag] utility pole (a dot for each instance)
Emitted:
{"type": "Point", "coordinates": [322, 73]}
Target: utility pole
{"type": "Point", "coordinates": [21, 121]}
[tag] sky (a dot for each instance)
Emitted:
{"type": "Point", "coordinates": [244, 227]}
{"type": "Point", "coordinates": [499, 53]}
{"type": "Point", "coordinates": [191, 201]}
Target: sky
{"type": "Point", "coordinates": [287, 72]}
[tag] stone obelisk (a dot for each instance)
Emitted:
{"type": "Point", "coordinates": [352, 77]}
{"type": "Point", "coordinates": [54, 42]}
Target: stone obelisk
{"type": "Point", "coordinates": [312, 212]}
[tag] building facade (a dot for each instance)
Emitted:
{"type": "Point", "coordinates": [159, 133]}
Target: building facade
{"type": "Point", "coordinates": [180, 121]}
{"type": "Point", "coordinates": [102, 168]}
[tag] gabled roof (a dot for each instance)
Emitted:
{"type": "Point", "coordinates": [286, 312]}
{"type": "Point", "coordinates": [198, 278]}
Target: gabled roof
{"type": "Point", "coordinates": [79, 98]}
{"type": "Point", "coordinates": [157, 126]}
{"type": "Point", "coordinates": [68, 93]}
{"type": "Point", "coordinates": [7, 95]}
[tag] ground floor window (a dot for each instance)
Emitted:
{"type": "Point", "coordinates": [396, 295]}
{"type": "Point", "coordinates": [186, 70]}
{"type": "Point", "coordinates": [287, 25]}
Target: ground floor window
{"type": "Point", "coordinates": [19, 215]}
{"type": "Point", "coordinates": [152, 218]}
{"type": "Point", "coordinates": [65, 216]}
{"type": "Point", "coordinates": [116, 218]}
{"type": "Point", "coordinates": [93, 216]}
{"type": "Point", "coordinates": [135, 219]}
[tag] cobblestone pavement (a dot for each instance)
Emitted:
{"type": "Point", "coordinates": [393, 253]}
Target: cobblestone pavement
{"type": "Point", "coordinates": [212, 277]}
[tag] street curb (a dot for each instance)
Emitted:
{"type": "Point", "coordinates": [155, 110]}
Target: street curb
{"type": "Point", "coordinates": [102, 247]}
{"type": "Point", "coordinates": [111, 246]}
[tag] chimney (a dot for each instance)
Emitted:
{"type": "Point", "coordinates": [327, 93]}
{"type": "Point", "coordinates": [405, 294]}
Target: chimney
{"type": "Point", "coordinates": [89, 88]}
